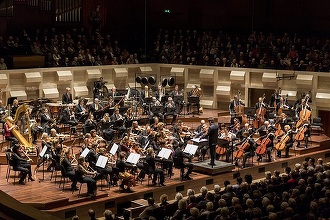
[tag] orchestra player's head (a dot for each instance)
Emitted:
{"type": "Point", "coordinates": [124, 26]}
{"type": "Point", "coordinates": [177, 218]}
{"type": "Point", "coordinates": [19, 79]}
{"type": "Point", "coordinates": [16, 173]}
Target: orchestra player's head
{"type": "Point", "coordinates": [114, 89]}
{"type": "Point", "coordinates": [153, 99]}
{"type": "Point", "coordinates": [160, 126]}
{"type": "Point", "coordinates": [176, 88]}
{"type": "Point", "coordinates": [90, 117]}
{"type": "Point", "coordinates": [93, 133]}
{"type": "Point", "coordinates": [117, 111]}
{"type": "Point", "coordinates": [44, 136]}
{"type": "Point", "coordinates": [150, 151]}
{"type": "Point", "coordinates": [81, 102]}
{"type": "Point", "coordinates": [156, 120]}
{"type": "Point", "coordinates": [287, 127]}
{"type": "Point", "coordinates": [211, 120]}
{"type": "Point", "coordinates": [159, 87]}
{"type": "Point", "coordinates": [170, 100]}
{"type": "Point", "coordinates": [246, 126]}
{"type": "Point", "coordinates": [81, 160]}
{"type": "Point", "coordinates": [260, 99]}
{"type": "Point", "coordinates": [67, 90]}
{"type": "Point", "coordinates": [135, 124]}
{"type": "Point", "coordinates": [266, 123]}
{"type": "Point", "coordinates": [202, 122]}
{"type": "Point", "coordinates": [53, 132]}
{"type": "Point", "coordinates": [96, 101]}
{"type": "Point", "coordinates": [303, 101]}
{"type": "Point", "coordinates": [106, 117]}
{"type": "Point", "coordinates": [15, 102]}
{"type": "Point", "coordinates": [235, 97]}
{"type": "Point", "coordinates": [1, 103]}
{"type": "Point", "coordinates": [122, 155]}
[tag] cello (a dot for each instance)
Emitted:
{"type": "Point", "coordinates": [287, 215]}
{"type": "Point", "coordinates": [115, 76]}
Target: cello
{"type": "Point", "coordinates": [260, 114]}
{"type": "Point", "coordinates": [282, 143]}
{"type": "Point", "coordinates": [238, 154]}
{"type": "Point", "coordinates": [301, 132]}
{"type": "Point", "coordinates": [261, 149]}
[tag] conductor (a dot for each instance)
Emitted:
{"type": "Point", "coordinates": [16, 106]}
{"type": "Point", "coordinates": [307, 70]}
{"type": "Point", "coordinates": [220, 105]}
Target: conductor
{"type": "Point", "coordinates": [213, 139]}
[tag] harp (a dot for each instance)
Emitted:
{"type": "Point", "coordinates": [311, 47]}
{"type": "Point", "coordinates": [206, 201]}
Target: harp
{"type": "Point", "coordinates": [22, 110]}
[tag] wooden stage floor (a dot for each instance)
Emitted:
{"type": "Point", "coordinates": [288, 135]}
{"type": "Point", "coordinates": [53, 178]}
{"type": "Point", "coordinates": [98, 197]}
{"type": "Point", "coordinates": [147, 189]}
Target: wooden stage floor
{"type": "Point", "coordinates": [47, 196]}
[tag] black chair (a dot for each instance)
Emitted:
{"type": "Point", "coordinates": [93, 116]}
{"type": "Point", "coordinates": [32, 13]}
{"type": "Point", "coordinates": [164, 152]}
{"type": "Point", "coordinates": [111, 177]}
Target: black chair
{"type": "Point", "coordinates": [317, 125]}
{"type": "Point", "coordinates": [177, 162]}
{"type": "Point", "coordinates": [11, 166]}
{"type": "Point", "coordinates": [147, 170]}
{"type": "Point", "coordinates": [64, 177]}
{"type": "Point", "coordinates": [158, 213]}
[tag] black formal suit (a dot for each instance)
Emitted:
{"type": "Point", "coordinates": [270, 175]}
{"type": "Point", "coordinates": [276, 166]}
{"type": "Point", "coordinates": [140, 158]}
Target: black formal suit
{"type": "Point", "coordinates": [80, 110]}
{"type": "Point", "coordinates": [67, 118]}
{"type": "Point", "coordinates": [69, 171]}
{"type": "Point", "coordinates": [179, 155]}
{"type": "Point", "coordinates": [95, 107]}
{"type": "Point", "coordinates": [66, 98]}
{"type": "Point", "coordinates": [20, 164]}
{"type": "Point", "coordinates": [44, 120]}
{"type": "Point", "coordinates": [152, 169]}
{"type": "Point", "coordinates": [213, 140]}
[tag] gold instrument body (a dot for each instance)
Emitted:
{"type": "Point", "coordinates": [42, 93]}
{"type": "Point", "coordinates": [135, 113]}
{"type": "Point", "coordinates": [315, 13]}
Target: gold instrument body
{"type": "Point", "coordinates": [26, 143]}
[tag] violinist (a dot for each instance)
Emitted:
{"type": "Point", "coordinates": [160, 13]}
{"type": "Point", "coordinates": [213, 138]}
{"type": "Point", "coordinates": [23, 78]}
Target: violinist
{"type": "Point", "coordinates": [233, 105]}
{"type": "Point", "coordinates": [236, 126]}
{"type": "Point", "coordinates": [68, 116]}
{"type": "Point", "coordinates": [86, 176]}
{"type": "Point", "coordinates": [128, 178]}
{"type": "Point", "coordinates": [170, 110]}
{"type": "Point", "coordinates": [151, 160]}
{"type": "Point", "coordinates": [89, 124]}
{"type": "Point", "coordinates": [154, 110]}
{"type": "Point", "coordinates": [125, 144]}
{"type": "Point", "coordinates": [289, 140]}
{"type": "Point", "coordinates": [94, 137]}
{"type": "Point", "coordinates": [105, 127]}
{"type": "Point", "coordinates": [136, 129]}
{"type": "Point", "coordinates": [154, 125]}
{"type": "Point", "coordinates": [249, 148]}
{"type": "Point", "coordinates": [21, 164]}
{"type": "Point", "coordinates": [180, 155]}
{"type": "Point", "coordinates": [303, 133]}
{"type": "Point", "coordinates": [65, 161]}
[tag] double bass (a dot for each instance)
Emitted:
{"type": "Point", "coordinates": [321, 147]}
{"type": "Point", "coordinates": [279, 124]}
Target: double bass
{"type": "Point", "coordinates": [304, 114]}
{"type": "Point", "coordinates": [239, 109]}
{"type": "Point", "coordinates": [260, 114]}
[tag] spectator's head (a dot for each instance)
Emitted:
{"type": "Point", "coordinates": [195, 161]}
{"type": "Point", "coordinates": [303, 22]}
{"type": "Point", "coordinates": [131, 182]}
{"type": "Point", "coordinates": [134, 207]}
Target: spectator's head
{"type": "Point", "coordinates": [108, 215]}
{"type": "Point", "coordinates": [248, 178]}
{"type": "Point", "coordinates": [163, 198]}
{"type": "Point", "coordinates": [190, 192]}
{"type": "Point", "coordinates": [217, 188]}
{"type": "Point", "coordinates": [209, 206]}
{"type": "Point", "coordinates": [204, 190]}
{"type": "Point", "coordinates": [91, 213]}
{"type": "Point", "coordinates": [182, 204]}
{"type": "Point", "coordinates": [151, 201]}
{"type": "Point", "coordinates": [194, 212]}
{"type": "Point", "coordinates": [178, 196]}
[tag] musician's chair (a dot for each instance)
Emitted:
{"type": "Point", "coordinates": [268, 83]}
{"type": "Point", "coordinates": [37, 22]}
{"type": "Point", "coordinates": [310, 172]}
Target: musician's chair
{"type": "Point", "coordinates": [10, 167]}
{"type": "Point", "coordinates": [64, 177]}
{"type": "Point", "coordinates": [179, 165]}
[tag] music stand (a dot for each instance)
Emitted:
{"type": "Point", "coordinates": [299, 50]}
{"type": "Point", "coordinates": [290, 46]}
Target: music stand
{"type": "Point", "coordinates": [164, 99]}
{"type": "Point", "coordinates": [193, 100]}
{"type": "Point", "coordinates": [289, 112]}
{"type": "Point", "coordinates": [117, 99]}
{"type": "Point", "coordinates": [159, 109]}
{"type": "Point", "coordinates": [249, 112]}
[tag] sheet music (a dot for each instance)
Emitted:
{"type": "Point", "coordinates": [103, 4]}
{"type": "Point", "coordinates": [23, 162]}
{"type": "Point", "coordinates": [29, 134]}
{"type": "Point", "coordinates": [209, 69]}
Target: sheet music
{"type": "Point", "coordinates": [43, 151]}
{"type": "Point", "coordinates": [164, 153]}
{"type": "Point", "coordinates": [102, 161]}
{"type": "Point", "coordinates": [197, 140]}
{"type": "Point", "coordinates": [190, 149]}
{"type": "Point", "coordinates": [85, 152]}
{"type": "Point", "coordinates": [114, 149]}
{"type": "Point", "coordinates": [133, 158]}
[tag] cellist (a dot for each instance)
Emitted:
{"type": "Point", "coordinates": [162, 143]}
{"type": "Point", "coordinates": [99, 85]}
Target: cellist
{"type": "Point", "coordinates": [233, 106]}
{"type": "Point", "coordinates": [249, 147]}
{"type": "Point", "coordinates": [303, 133]}
{"type": "Point", "coordinates": [287, 132]}
{"type": "Point", "coordinates": [267, 144]}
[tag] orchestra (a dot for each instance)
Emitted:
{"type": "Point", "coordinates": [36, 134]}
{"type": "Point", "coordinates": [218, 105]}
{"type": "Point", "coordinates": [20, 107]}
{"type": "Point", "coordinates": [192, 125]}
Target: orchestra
{"type": "Point", "coordinates": [238, 139]}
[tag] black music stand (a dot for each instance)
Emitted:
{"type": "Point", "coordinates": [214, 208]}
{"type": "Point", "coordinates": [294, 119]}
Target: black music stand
{"type": "Point", "coordinates": [193, 100]}
{"type": "Point", "coordinates": [10, 100]}
{"type": "Point", "coordinates": [117, 99]}
{"type": "Point", "coordinates": [164, 99]}
{"type": "Point", "coordinates": [249, 112]}
{"type": "Point", "coordinates": [159, 109]}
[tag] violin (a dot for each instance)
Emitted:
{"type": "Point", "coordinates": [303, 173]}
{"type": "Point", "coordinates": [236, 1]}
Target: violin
{"type": "Point", "coordinates": [261, 149]}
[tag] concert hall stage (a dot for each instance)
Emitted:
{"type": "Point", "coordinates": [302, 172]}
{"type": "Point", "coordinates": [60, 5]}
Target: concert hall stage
{"type": "Point", "coordinates": [45, 195]}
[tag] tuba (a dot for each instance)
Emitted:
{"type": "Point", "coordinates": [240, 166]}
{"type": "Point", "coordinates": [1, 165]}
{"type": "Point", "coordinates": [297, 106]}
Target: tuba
{"type": "Point", "coordinates": [26, 143]}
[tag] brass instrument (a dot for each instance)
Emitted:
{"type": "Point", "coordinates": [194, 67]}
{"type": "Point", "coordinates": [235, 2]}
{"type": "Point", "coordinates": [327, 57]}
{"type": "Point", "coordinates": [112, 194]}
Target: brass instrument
{"type": "Point", "coordinates": [198, 92]}
{"type": "Point", "coordinates": [27, 156]}
{"type": "Point", "coordinates": [26, 143]}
